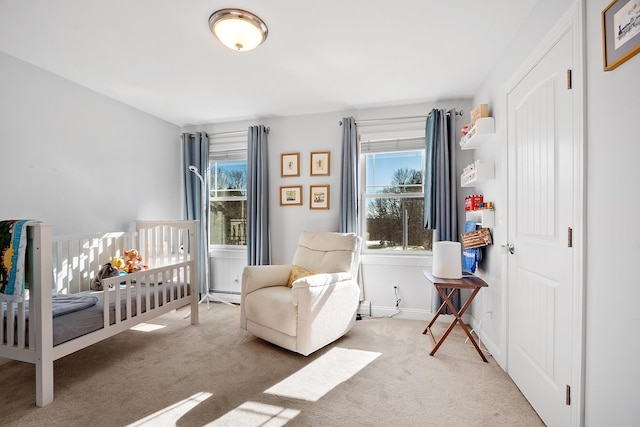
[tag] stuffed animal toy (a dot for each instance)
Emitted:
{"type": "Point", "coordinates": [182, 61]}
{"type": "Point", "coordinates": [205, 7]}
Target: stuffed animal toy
{"type": "Point", "coordinates": [133, 261]}
{"type": "Point", "coordinates": [118, 262]}
{"type": "Point", "coordinates": [105, 271]}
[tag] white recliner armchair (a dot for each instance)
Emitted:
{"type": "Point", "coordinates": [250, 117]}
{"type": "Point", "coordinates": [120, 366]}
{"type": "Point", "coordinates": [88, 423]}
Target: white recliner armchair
{"type": "Point", "coordinates": [310, 303]}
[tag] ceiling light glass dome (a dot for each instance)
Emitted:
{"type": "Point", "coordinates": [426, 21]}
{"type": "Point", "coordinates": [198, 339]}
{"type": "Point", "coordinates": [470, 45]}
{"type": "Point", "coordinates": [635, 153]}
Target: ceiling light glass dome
{"type": "Point", "coordinates": [238, 29]}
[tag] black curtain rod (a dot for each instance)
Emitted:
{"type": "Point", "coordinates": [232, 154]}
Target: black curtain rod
{"type": "Point", "coordinates": [457, 113]}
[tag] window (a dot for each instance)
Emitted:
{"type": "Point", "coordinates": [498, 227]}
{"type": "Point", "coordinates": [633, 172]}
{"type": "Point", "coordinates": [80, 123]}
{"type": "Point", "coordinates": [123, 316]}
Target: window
{"type": "Point", "coordinates": [228, 203]}
{"type": "Point", "coordinates": [393, 197]}
{"type": "Point", "coordinates": [228, 190]}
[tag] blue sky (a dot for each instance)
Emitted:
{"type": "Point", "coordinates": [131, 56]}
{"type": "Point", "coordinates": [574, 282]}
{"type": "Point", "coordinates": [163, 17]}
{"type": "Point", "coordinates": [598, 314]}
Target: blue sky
{"type": "Point", "coordinates": [382, 166]}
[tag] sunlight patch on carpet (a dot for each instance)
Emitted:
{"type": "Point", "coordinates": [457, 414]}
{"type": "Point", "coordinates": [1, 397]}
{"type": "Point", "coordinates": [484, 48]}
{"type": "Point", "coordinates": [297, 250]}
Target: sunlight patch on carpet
{"type": "Point", "coordinates": [170, 415]}
{"type": "Point", "coordinates": [323, 374]}
{"type": "Point", "coordinates": [256, 414]}
{"type": "Point", "coordinates": [147, 327]}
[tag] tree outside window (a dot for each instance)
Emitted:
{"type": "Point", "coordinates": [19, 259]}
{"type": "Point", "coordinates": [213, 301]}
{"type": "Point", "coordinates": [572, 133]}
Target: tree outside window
{"type": "Point", "coordinates": [394, 201]}
{"type": "Point", "coordinates": [228, 203]}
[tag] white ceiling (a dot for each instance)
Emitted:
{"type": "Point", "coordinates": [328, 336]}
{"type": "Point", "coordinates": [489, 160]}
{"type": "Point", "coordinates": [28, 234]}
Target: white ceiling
{"type": "Point", "coordinates": [329, 55]}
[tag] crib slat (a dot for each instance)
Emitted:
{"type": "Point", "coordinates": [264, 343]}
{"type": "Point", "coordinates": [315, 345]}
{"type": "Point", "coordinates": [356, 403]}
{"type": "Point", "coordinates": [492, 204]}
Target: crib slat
{"type": "Point", "coordinates": [10, 324]}
{"type": "Point", "coordinates": [21, 325]}
{"type": "Point", "coordinates": [105, 307]}
{"type": "Point", "coordinates": [118, 305]}
{"type": "Point", "coordinates": [127, 302]}
{"type": "Point", "coordinates": [166, 289]}
{"type": "Point", "coordinates": [2, 315]}
{"type": "Point", "coordinates": [138, 299]}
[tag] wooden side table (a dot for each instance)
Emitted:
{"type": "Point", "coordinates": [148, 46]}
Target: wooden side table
{"type": "Point", "coordinates": [467, 282]}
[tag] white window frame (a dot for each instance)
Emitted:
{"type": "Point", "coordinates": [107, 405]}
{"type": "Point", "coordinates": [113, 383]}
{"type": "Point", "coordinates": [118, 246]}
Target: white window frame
{"type": "Point", "coordinates": [221, 149]}
{"type": "Point", "coordinates": [389, 138]}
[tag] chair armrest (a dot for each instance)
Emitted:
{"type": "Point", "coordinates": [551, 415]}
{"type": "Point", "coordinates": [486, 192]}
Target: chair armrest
{"type": "Point", "coordinates": [316, 284]}
{"type": "Point", "coordinates": [255, 277]}
{"type": "Point", "coordinates": [321, 279]}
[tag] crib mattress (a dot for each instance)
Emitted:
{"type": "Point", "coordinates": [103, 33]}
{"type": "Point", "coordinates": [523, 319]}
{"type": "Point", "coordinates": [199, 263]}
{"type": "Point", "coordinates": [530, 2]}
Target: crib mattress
{"type": "Point", "coordinates": [77, 323]}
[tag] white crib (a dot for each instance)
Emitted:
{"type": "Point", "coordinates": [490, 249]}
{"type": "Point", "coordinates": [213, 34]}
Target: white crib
{"type": "Point", "coordinates": [66, 264]}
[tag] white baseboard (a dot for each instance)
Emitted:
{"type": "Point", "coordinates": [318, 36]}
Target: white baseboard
{"type": "Point", "coordinates": [367, 310]}
{"type": "Point", "coordinates": [223, 296]}
{"type": "Point", "coordinates": [404, 313]}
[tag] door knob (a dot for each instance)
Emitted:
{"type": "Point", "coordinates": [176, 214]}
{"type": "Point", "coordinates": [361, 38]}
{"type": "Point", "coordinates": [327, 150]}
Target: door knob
{"type": "Point", "coordinates": [508, 248]}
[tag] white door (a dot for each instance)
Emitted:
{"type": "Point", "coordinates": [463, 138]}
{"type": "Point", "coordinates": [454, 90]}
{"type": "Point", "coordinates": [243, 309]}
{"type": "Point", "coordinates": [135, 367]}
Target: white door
{"type": "Point", "coordinates": [541, 203]}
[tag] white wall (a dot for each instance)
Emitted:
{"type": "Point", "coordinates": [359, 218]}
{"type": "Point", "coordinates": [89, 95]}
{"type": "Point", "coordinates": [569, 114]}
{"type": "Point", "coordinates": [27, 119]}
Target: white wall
{"type": "Point", "coordinates": [80, 160]}
{"type": "Point", "coordinates": [322, 132]}
{"type": "Point", "coordinates": [488, 306]}
{"type": "Point", "coordinates": [613, 241]}
{"type": "Point", "coordinates": [612, 149]}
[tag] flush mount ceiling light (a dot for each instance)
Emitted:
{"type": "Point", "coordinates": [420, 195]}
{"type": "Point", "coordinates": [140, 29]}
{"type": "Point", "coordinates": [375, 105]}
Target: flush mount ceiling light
{"type": "Point", "coordinates": [238, 29]}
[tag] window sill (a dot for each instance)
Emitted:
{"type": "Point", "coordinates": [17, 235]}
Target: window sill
{"type": "Point", "coordinates": [422, 260]}
{"type": "Point", "coordinates": [238, 252]}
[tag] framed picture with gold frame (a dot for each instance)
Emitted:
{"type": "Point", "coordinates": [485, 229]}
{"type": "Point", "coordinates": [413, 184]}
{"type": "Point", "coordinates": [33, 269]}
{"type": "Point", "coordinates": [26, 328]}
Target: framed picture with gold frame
{"type": "Point", "coordinates": [320, 163]}
{"type": "Point", "coordinates": [319, 197]}
{"type": "Point", "coordinates": [289, 164]}
{"type": "Point", "coordinates": [620, 32]}
{"type": "Point", "coordinates": [291, 195]}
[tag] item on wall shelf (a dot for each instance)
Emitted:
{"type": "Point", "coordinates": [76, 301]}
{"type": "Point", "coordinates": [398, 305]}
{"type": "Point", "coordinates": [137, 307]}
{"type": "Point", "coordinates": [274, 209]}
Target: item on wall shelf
{"type": "Point", "coordinates": [470, 167]}
{"type": "Point", "coordinates": [319, 197]}
{"type": "Point", "coordinates": [476, 239]}
{"type": "Point", "coordinates": [320, 163]}
{"type": "Point", "coordinates": [471, 257]}
{"type": "Point", "coordinates": [476, 172]}
{"type": "Point", "coordinates": [473, 202]}
{"type": "Point", "coordinates": [447, 260]}
{"type": "Point", "coordinates": [479, 132]}
{"type": "Point", "coordinates": [481, 110]}
{"type": "Point", "coordinates": [291, 196]}
{"type": "Point", "coordinates": [483, 218]}
{"type": "Point", "coordinates": [289, 164]}
{"type": "Point", "coordinates": [620, 32]}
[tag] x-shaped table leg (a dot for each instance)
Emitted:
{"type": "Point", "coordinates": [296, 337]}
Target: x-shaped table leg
{"type": "Point", "coordinates": [457, 318]}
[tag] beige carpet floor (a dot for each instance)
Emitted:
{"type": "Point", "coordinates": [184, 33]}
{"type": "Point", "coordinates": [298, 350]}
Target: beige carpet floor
{"type": "Point", "coordinates": [379, 374]}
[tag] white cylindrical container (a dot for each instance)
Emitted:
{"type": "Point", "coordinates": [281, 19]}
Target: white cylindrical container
{"type": "Point", "coordinates": [447, 260]}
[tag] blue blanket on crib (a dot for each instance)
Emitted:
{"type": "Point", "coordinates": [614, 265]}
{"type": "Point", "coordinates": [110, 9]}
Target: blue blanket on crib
{"type": "Point", "coordinates": [13, 248]}
{"type": "Point", "coordinates": [65, 304]}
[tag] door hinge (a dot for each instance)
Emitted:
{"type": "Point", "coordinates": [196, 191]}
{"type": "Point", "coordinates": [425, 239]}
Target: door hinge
{"type": "Point", "coordinates": [567, 400]}
{"type": "Point", "coordinates": [569, 237]}
{"type": "Point", "coordinates": [569, 80]}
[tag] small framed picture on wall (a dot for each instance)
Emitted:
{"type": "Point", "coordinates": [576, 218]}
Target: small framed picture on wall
{"type": "Point", "coordinates": [620, 32]}
{"type": "Point", "coordinates": [291, 196]}
{"type": "Point", "coordinates": [319, 197]}
{"type": "Point", "coordinates": [320, 163]}
{"type": "Point", "coordinates": [289, 164]}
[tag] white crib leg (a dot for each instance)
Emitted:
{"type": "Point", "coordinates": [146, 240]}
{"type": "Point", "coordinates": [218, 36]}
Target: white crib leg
{"type": "Point", "coordinates": [41, 315]}
{"type": "Point", "coordinates": [44, 381]}
{"type": "Point", "coordinates": [194, 307]}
